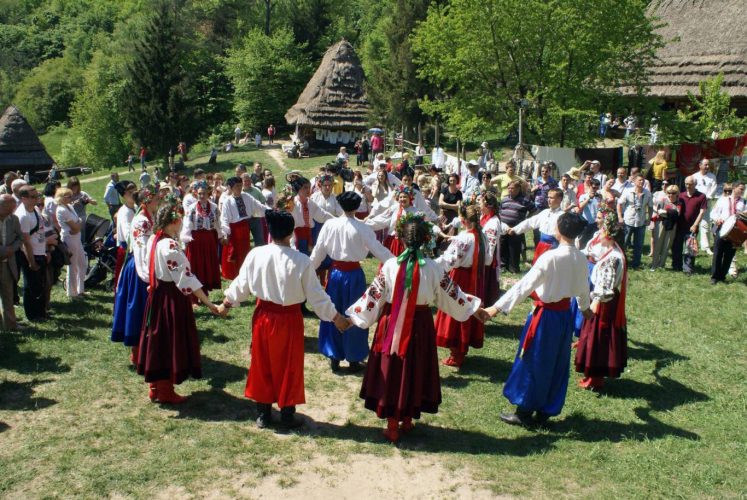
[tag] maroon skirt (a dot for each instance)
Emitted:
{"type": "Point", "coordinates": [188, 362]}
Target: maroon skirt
{"type": "Point", "coordinates": [202, 253]}
{"type": "Point", "coordinates": [400, 387]}
{"type": "Point", "coordinates": [169, 345]}
{"type": "Point", "coordinates": [492, 285]}
{"type": "Point", "coordinates": [602, 347]}
{"type": "Point", "coordinates": [455, 334]}
{"type": "Point", "coordinates": [118, 264]}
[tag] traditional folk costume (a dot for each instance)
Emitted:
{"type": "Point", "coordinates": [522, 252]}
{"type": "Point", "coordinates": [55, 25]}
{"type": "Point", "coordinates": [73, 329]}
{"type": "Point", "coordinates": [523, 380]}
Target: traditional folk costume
{"type": "Point", "coordinates": [125, 215]}
{"type": "Point", "coordinates": [132, 289]}
{"type": "Point", "coordinates": [346, 241]}
{"type": "Point", "coordinates": [169, 344]}
{"type": "Point", "coordinates": [282, 279]}
{"type": "Point", "coordinates": [331, 206]}
{"type": "Point", "coordinates": [546, 222]}
{"type": "Point", "coordinates": [602, 346]}
{"type": "Point", "coordinates": [417, 200]}
{"type": "Point", "coordinates": [464, 260]}
{"type": "Point", "coordinates": [306, 214]}
{"type": "Point", "coordinates": [539, 376]}
{"type": "Point", "coordinates": [402, 379]}
{"type": "Point", "coordinates": [388, 222]}
{"type": "Point", "coordinates": [493, 229]}
{"type": "Point", "coordinates": [201, 233]}
{"type": "Point", "coordinates": [234, 223]}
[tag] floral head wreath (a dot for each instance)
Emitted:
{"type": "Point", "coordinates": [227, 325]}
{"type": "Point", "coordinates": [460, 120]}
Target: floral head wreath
{"type": "Point", "coordinates": [176, 205]}
{"type": "Point", "coordinates": [417, 217]}
{"type": "Point", "coordinates": [146, 196]}
{"type": "Point", "coordinates": [197, 185]}
{"type": "Point", "coordinates": [610, 223]}
{"type": "Point", "coordinates": [406, 190]}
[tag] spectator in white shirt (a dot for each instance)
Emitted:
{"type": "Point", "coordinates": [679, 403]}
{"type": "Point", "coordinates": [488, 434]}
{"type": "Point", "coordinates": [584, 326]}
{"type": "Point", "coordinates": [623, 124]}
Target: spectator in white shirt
{"type": "Point", "coordinates": [635, 210]}
{"type": "Point", "coordinates": [705, 182]}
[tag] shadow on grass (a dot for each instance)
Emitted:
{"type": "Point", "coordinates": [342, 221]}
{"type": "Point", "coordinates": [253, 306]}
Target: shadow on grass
{"type": "Point", "coordinates": [216, 405]}
{"type": "Point", "coordinates": [580, 428]}
{"type": "Point", "coordinates": [664, 395]}
{"type": "Point", "coordinates": [19, 396]}
{"type": "Point", "coordinates": [221, 373]}
{"type": "Point", "coordinates": [645, 351]}
{"type": "Point", "coordinates": [3, 427]}
{"type": "Point", "coordinates": [503, 331]}
{"type": "Point", "coordinates": [27, 362]}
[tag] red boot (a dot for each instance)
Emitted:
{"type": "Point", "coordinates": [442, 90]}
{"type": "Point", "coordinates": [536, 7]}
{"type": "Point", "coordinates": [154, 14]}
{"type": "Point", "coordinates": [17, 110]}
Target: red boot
{"type": "Point", "coordinates": [166, 394]}
{"type": "Point", "coordinates": [152, 393]}
{"type": "Point", "coordinates": [407, 425]}
{"type": "Point", "coordinates": [134, 355]}
{"type": "Point", "coordinates": [392, 430]}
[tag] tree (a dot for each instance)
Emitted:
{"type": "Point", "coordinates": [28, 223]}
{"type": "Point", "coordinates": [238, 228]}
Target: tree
{"type": "Point", "coordinates": [46, 94]}
{"type": "Point", "coordinates": [392, 83]}
{"type": "Point", "coordinates": [268, 74]}
{"type": "Point", "coordinates": [562, 56]}
{"type": "Point", "coordinates": [160, 108]}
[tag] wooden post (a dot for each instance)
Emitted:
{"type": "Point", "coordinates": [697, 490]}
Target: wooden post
{"type": "Point", "coordinates": [402, 140]}
{"type": "Point", "coordinates": [420, 133]}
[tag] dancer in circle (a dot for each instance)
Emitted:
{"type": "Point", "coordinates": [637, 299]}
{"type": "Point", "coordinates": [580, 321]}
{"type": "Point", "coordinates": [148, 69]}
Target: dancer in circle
{"type": "Point", "coordinates": [201, 233]}
{"type": "Point", "coordinates": [401, 380]}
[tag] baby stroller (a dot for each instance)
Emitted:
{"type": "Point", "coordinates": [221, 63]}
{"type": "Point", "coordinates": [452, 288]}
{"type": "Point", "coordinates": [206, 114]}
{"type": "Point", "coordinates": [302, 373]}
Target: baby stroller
{"type": "Point", "coordinates": [101, 250]}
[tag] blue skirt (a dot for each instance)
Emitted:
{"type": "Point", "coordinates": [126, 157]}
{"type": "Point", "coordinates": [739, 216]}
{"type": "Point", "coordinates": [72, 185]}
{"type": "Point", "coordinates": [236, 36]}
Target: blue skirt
{"type": "Point", "coordinates": [129, 304]}
{"type": "Point", "coordinates": [539, 380]}
{"type": "Point", "coordinates": [344, 288]}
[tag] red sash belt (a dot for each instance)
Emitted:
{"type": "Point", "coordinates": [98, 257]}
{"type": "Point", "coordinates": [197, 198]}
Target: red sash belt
{"type": "Point", "coordinates": [539, 307]}
{"type": "Point", "coordinates": [345, 266]}
{"type": "Point", "coordinates": [272, 307]}
{"type": "Point", "coordinates": [303, 234]}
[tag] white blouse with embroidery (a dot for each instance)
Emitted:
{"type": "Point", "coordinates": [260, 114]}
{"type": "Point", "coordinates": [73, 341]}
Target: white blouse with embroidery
{"type": "Point", "coordinates": [140, 230]}
{"type": "Point", "coordinates": [171, 265]}
{"type": "Point", "coordinates": [459, 252]}
{"type": "Point", "coordinates": [194, 221]}
{"type": "Point", "coordinates": [435, 288]}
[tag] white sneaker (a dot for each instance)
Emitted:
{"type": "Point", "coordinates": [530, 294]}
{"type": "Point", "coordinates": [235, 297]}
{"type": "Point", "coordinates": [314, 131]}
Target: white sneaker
{"type": "Point", "coordinates": [708, 251]}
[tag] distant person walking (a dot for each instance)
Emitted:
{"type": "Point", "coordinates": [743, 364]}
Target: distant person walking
{"type": "Point", "coordinates": [271, 133]}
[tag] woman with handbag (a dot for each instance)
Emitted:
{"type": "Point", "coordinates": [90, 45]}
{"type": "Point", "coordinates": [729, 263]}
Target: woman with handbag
{"type": "Point", "coordinates": [70, 226]}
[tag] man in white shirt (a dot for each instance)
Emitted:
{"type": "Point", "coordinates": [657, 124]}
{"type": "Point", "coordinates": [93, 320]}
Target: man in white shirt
{"type": "Point", "coordinates": [634, 208]}
{"type": "Point", "coordinates": [111, 196]}
{"type": "Point", "coordinates": [34, 264]}
{"type": "Point", "coordinates": [596, 172]}
{"type": "Point", "coordinates": [622, 184]}
{"type": "Point", "coordinates": [546, 222]}
{"type": "Point", "coordinates": [470, 179]}
{"type": "Point", "coordinates": [732, 203]}
{"type": "Point", "coordinates": [705, 182]}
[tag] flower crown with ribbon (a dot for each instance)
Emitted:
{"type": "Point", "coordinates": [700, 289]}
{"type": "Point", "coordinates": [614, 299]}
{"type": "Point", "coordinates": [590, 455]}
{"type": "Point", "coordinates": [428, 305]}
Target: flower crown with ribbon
{"type": "Point", "coordinates": [406, 190]}
{"type": "Point", "coordinates": [610, 222]}
{"type": "Point", "coordinates": [146, 196]}
{"type": "Point", "coordinates": [197, 185]}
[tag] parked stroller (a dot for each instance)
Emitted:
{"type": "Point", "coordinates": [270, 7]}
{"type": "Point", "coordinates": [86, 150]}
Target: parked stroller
{"type": "Point", "coordinates": [101, 250]}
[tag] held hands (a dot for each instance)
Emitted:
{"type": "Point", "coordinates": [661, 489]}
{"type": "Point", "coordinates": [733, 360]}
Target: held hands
{"type": "Point", "coordinates": [484, 314]}
{"type": "Point", "coordinates": [342, 323]}
{"type": "Point", "coordinates": [215, 309]}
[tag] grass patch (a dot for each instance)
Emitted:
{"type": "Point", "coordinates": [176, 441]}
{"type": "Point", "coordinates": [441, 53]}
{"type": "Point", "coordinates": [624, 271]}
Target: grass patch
{"type": "Point", "coordinates": [75, 420]}
{"type": "Point", "coordinates": [53, 139]}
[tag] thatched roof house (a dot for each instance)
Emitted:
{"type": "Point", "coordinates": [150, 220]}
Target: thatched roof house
{"type": "Point", "coordinates": [335, 99]}
{"type": "Point", "coordinates": [703, 38]}
{"type": "Point", "coordinates": [20, 147]}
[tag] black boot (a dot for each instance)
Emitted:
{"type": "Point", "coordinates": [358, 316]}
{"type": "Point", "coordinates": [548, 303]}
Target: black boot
{"type": "Point", "coordinates": [541, 418]}
{"type": "Point", "coordinates": [355, 366]}
{"type": "Point", "coordinates": [334, 364]}
{"type": "Point", "coordinates": [521, 417]}
{"type": "Point", "coordinates": [264, 415]}
{"type": "Point", "coordinates": [288, 419]}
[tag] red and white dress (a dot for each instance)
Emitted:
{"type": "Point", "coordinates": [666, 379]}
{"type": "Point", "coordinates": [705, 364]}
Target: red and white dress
{"type": "Point", "coordinates": [234, 223]}
{"type": "Point", "coordinates": [387, 221]}
{"type": "Point", "coordinates": [201, 233]}
{"type": "Point", "coordinates": [464, 260]}
{"type": "Point", "coordinates": [169, 344]}
{"type": "Point", "coordinates": [125, 215]}
{"type": "Point", "coordinates": [282, 279]}
{"type": "Point", "coordinates": [493, 229]}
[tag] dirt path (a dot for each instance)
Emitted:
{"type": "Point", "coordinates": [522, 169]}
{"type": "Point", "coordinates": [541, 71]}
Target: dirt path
{"type": "Point", "coordinates": [279, 156]}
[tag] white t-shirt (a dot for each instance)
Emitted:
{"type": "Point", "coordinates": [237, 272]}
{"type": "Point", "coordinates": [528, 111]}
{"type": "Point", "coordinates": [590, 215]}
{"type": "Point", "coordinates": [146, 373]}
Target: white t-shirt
{"type": "Point", "coordinates": [64, 217]}
{"type": "Point", "coordinates": [29, 221]}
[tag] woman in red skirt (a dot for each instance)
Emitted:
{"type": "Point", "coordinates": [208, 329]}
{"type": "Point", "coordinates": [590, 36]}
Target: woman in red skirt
{"type": "Point", "coordinates": [401, 379]}
{"type": "Point", "coordinates": [236, 210]}
{"type": "Point", "coordinates": [388, 220]}
{"type": "Point", "coordinates": [464, 260]}
{"type": "Point", "coordinates": [169, 346]}
{"type": "Point", "coordinates": [602, 346]}
{"type": "Point", "coordinates": [201, 233]}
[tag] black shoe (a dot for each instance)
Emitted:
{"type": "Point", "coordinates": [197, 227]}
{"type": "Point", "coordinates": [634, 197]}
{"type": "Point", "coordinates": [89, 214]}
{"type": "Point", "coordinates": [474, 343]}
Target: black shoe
{"type": "Point", "coordinates": [355, 367]}
{"type": "Point", "coordinates": [519, 418]}
{"type": "Point", "coordinates": [541, 418]}
{"type": "Point", "coordinates": [714, 281]}
{"type": "Point", "coordinates": [334, 364]}
{"type": "Point", "coordinates": [305, 312]}
{"type": "Point", "coordinates": [264, 415]}
{"type": "Point", "coordinates": [288, 419]}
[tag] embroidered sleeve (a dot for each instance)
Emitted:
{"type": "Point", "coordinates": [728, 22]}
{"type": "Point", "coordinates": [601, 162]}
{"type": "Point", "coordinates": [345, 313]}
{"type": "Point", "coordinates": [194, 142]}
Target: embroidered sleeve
{"type": "Point", "coordinates": [453, 301]}
{"type": "Point", "coordinates": [452, 256]}
{"type": "Point", "coordinates": [178, 268]}
{"type": "Point", "coordinates": [141, 229]}
{"type": "Point", "coordinates": [606, 277]}
{"type": "Point", "coordinates": [187, 226]}
{"type": "Point", "coordinates": [366, 310]}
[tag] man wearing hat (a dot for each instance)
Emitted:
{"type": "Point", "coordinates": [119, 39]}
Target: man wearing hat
{"type": "Point", "coordinates": [282, 279]}
{"type": "Point", "coordinates": [346, 241]}
{"type": "Point", "coordinates": [470, 179]}
{"type": "Point", "coordinates": [596, 173]}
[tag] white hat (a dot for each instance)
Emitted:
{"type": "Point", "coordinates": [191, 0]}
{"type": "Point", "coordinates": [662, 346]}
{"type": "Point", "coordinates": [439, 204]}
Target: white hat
{"type": "Point", "coordinates": [16, 184]}
{"type": "Point", "coordinates": [596, 161]}
{"type": "Point", "coordinates": [484, 144]}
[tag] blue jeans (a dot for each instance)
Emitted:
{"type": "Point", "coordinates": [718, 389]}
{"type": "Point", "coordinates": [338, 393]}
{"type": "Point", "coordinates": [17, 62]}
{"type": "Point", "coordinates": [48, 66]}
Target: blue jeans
{"type": "Point", "coordinates": [638, 234]}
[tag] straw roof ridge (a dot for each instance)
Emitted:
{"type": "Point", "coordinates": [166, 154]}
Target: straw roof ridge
{"type": "Point", "coordinates": [703, 38]}
{"type": "Point", "coordinates": [335, 96]}
{"type": "Point", "coordinates": [20, 147]}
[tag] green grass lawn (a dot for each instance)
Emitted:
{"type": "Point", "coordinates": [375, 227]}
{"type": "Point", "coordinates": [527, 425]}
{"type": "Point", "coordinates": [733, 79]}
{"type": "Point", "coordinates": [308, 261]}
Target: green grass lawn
{"type": "Point", "coordinates": [52, 140]}
{"type": "Point", "coordinates": [75, 419]}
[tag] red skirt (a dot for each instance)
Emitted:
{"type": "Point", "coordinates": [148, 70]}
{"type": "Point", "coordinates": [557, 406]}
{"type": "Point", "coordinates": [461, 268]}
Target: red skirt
{"type": "Point", "coordinates": [361, 215]}
{"type": "Point", "coordinates": [460, 335]}
{"type": "Point", "coordinates": [202, 253]}
{"type": "Point", "coordinates": [118, 263]}
{"type": "Point", "coordinates": [394, 245]}
{"type": "Point", "coordinates": [235, 252]}
{"type": "Point", "coordinates": [602, 347]}
{"type": "Point", "coordinates": [276, 369]}
{"type": "Point", "coordinates": [169, 345]}
{"type": "Point", "coordinates": [404, 387]}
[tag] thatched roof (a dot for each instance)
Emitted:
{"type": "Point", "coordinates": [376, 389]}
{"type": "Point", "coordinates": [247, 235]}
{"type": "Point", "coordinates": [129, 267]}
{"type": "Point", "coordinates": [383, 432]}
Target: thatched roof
{"type": "Point", "coordinates": [20, 147]}
{"type": "Point", "coordinates": [335, 97]}
{"type": "Point", "coordinates": [703, 38]}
